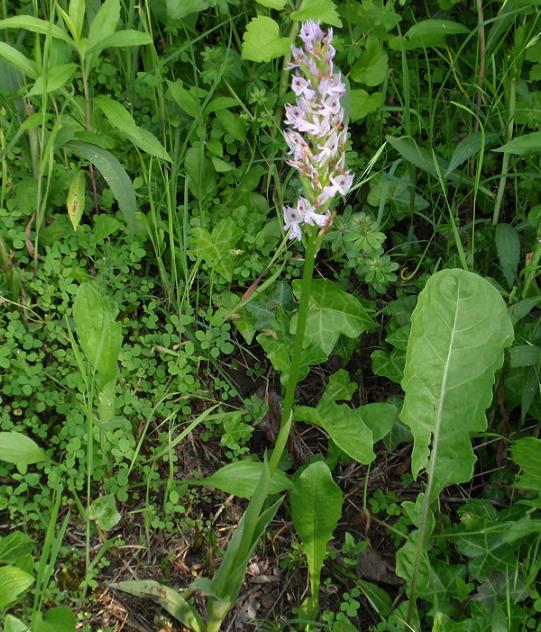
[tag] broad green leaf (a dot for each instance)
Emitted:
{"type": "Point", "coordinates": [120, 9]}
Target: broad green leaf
{"type": "Point", "coordinates": [389, 365]}
{"type": "Point", "coordinates": [76, 12]}
{"type": "Point", "coordinates": [332, 312]}
{"type": "Point", "coordinates": [201, 173]}
{"type": "Point", "coordinates": [55, 79]}
{"type": "Point", "coordinates": [262, 41]}
{"type": "Point", "coordinates": [431, 28]}
{"type": "Point", "coordinates": [395, 190]}
{"type": "Point", "coordinates": [171, 600]}
{"type": "Point", "coordinates": [418, 156]}
{"type": "Point", "coordinates": [100, 336]}
{"type": "Point", "coordinates": [467, 148]}
{"type": "Point", "coordinates": [59, 619]}
{"type": "Point", "coordinates": [526, 453]}
{"type": "Point", "coordinates": [221, 166]}
{"type": "Point", "coordinates": [221, 103]}
{"type": "Point", "coordinates": [69, 23]}
{"type": "Point", "coordinates": [361, 103]}
{"type": "Point", "coordinates": [105, 23]}
{"type": "Point", "coordinates": [427, 34]}
{"type": "Point", "coordinates": [19, 449]}
{"type": "Point", "coordinates": [121, 39]}
{"type": "Point", "coordinates": [316, 508]}
{"type": "Point", "coordinates": [114, 174]}
{"type": "Point", "coordinates": [490, 540]}
{"type": "Point", "coordinates": [346, 426]}
{"type": "Point", "coordinates": [522, 145]}
{"type": "Point", "coordinates": [13, 582]}
{"type": "Point", "coordinates": [520, 310]}
{"type": "Point", "coordinates": [17, 59]}
{"type": "Point", "coordinates": [233, 124]}
{"type": "Point", "coordinates": [15, 548]}
{"type": "Point", "coordinates": [119, 118]}
{"type": "Point", "coordinates": [35, 25]}
{"type": "Point", "coordinates": [508, 249]}
{"type": "Point", "coordinates": [241, 478]}
{"type": "Point", "coordinates": [273, 4]}
{"type": "Point", "coordinates": [377, 597]}
{"type": "Point", "coordinates": [75, 203]}
{"type": "Point", "coordinates": [103, 510]}
{"type": "Point", "coordinates": [371, 69]}
{"type": "Point", "coordinates": [524, 355]}
{"type": "Point", "coordinates": [217, 248]}
{"type": "Point", "coordinates": [459, 330]}
{"type": "Point", "coordinates": [380, 417]}
{"type": "Point", "coordinates": [185, 99]}
{"type": "Point", "coordinates": [278, 345]}
{"type": "Point", "coordinates": [339, 388]}
{"type": "Point", "coordinates": [177, 10]}
{"type": "Point", "coordinates": [11, 624]}
{"type": "Point", "coordinates": [318, 10]}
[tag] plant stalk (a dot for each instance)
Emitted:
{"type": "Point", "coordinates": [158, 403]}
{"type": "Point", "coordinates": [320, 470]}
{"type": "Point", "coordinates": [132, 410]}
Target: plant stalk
{"type": "Point", "coordinates": [507, 155]}
{"type": "Point", "coordinates": [306, 288]}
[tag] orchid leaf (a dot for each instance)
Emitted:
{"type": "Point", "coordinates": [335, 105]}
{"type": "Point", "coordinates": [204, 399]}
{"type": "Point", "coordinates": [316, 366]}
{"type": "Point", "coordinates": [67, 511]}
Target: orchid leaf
{"type": "Point", "coordinates": [314, 489]}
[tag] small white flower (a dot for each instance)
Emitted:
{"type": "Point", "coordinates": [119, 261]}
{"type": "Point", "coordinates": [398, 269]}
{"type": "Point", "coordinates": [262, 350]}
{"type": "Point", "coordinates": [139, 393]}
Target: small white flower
{"type": "Point", "coordinates": [293, 221]}
{"type": "Point", "coordinates": [301, 87]}
{"type": "Point", "coordinates": [297, 145]}
{"type": "Point", "coordinates": [328, 150]}
{"type": "Point", "coordinates": [332, 86]}
{"type": "Point", "coordinates": [316, 136]}
{"type": "Point", "coordinates": [312, 32]}
{"type": "Point", "coordinates": [343, 182]}
{"type": "Point", "coordinates": [327, 194]}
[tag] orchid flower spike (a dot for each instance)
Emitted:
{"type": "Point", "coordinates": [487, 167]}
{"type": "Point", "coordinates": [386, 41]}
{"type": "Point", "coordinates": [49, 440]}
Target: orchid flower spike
{"type": "Point", "coordinates": [317, 135]}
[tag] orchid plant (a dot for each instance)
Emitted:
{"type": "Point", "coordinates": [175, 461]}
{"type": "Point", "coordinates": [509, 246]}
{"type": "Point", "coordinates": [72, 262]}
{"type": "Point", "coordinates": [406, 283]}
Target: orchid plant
{"type": "Point", "coordinates": [459, 330]}
{"type": "Point", "coordinates": [316, 137]}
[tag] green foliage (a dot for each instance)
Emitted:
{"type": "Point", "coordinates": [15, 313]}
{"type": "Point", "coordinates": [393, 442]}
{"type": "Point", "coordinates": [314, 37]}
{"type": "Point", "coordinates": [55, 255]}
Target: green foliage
{"type": "Point", "coordinates": [313, 488]}
{"type": "Point", "coordinates": [149, 305]}
{"type": "Point", "coordinates": [332, 312]}
{"type": "Point", "coordinates": [241, 478]}
{"type": "Point", "coordinates": [262, 41]}
{"type": "Point", "coordinates": [19, 449]}
{"type": "Point", "coordinates": [459, 330]}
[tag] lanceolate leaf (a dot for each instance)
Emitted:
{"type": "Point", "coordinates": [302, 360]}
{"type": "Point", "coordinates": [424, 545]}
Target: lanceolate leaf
{"type": "Point", "coordinates": [459, 330]}
{"type": "Point", "coordinates": [173, 601]}
{"type": "Point", "coordinates": [241, 478]}
{"type": "Point", "coordinates": [105, 22]}
{"type": "Point", "coordinates": [114, 174]}
{"type": "Point", "coordinates": [36, 25]}
{"type": "Point", "coordinates": [316, 507]}
{"type": "Point", "coordinates": [13, 56]}
{"type": "Point", "coordinates": [13, 582]}
{"type": "Point", "coordinates": [332, 312]}
{"type": "Point", "coordinates": [19, 449]}
{"type": "Point", "coordinates": [99, 334]}
{"type": "Point", "coordinates": [119, 117]}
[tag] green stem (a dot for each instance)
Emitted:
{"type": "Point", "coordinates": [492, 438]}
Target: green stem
{"type": "Point", "coordinates": [507, 155]}
{"type": "Point", "coordinates": [533, 266]}
{"type": "Point", "coordinates": [306, 288]}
